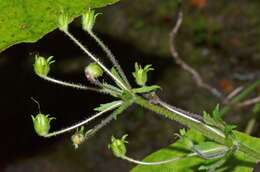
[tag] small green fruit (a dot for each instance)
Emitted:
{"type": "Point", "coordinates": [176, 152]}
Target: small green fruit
{"type": "Point", "coordinates": [41, 124]}
{"type": "Point", "coordinates": [118, 146]}
{"type": "Point", "coordinates": [140, 74]}
{"type": "Point", "coordinates": [88, 19]}
{"type": "Point", "coordinates": [78, 137]}
{"type": "Point", "coordinates": [42, 65]}
{"type": "Point", "coordinates": [93, 71]}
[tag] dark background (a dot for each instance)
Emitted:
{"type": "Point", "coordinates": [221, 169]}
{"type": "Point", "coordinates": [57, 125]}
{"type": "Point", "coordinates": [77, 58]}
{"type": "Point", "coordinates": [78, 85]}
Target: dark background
{"type": "Point", "coordinates": [221, 39]}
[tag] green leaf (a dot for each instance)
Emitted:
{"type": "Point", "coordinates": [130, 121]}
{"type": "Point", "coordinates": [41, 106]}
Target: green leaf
{"type": "Point", "coordinates": [239, 163]}
{"type": "Point", "coordinates": [146, 89]}
{"type": "Point", "coordinates": [213, 121]}
{"type": "Point", "coordinates": [116, 74]}
{"type": "Point", "coordinates": [111, 87]}
{"type": "Point", "coordinates": [216, 113]}
{"type": "Point", "coordinates": [105, 106]}
{"type": "Point", "coordinates": [30, 20]}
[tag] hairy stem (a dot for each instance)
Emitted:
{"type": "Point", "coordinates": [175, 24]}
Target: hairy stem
{"type": "Point", "coordinates": [95, 59]}
{"type": "Point", "coordinates": [99, 126]}
{"type": "Point", "coordinates": [208, 151]}
{"type": "Point", "coordinates": [83, 122]}
{"type": "Point", "coordinates": [72, 85]}
{"type": "Point", "coordinates": [149, 163]}
{"type": "Point", "coordinates": [111, 56]}
{"type": "Point", "coordinates": [208, 131]}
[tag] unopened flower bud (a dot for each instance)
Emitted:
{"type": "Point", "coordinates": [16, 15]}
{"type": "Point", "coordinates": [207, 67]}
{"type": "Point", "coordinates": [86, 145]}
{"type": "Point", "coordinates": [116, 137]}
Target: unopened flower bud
{"type": "Point", "coordinates": [93, 71]}
{"type": "Point", "coordinates": [41, 124]}
{"type": "Point", "coordinates": [118, 146]}
{"type": "Point", "coordinates": [140, 74]}
{"type": "Point", "coordinates": [42, 65]}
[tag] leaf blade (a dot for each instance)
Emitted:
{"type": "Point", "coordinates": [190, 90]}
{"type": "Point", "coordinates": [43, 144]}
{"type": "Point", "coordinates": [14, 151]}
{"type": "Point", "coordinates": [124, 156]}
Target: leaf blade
{"type": "Point", "coordinates": [28, 20]}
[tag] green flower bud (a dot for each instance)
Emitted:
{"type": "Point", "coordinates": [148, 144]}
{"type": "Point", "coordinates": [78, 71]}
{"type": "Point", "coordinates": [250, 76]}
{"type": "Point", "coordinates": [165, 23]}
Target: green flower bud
{"type": "Point", "coordinates": [42, 65]}
{"type": "Point", "coordinates": [78, 137]}
{"type": "Point", "coordinates": [41, 124]}
{"type": "Point", "coordinates": [63, 22]}
{"type": "Point", "coordinates": [93, 71]}
{"type": "Point", "coordinates": [140, 74]}
{"type": "Point", "coordinates": [88, 19]}
{"type": "Point", "coordinates": [118, 146]}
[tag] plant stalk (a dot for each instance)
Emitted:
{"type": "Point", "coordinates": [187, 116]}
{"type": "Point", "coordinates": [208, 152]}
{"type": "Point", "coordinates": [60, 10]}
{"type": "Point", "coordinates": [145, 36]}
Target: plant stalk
{"type": "Point", "coordinates": [208, 131]}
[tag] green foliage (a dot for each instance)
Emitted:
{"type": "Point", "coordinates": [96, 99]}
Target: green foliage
{"type": "Point", "coordinates": [256, 108]}
{"type": "Point", "coordinates": [191, 152]}
{"type": "Point", "coordinates": [239, 162]}
{"type": "Point", "coordinates": [41, 124]}
{"type": "Point", "coordinates": [29, 20]}
{"type": "Point", "coordinates": [216, 121]}
{"type": "Point", "coordinates": [116, 74]}
{"type": "Point", "coordinates": [106, 106]}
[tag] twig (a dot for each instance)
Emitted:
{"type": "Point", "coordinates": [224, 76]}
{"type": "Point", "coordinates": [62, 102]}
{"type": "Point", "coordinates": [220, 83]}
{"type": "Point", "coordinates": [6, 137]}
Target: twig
{"type": "Point", "coordinates": [195, 75]}
{"type": "Point", "coordinates": [240, 97]}
{"type": "Point", "coordinates": [249, 102]}
{"type": "Point", "coordinates": [231, 95]}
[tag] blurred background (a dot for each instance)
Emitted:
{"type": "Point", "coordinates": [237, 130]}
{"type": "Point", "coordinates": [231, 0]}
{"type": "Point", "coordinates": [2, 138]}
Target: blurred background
{"type": "Point", "coordinates": [221, 39]}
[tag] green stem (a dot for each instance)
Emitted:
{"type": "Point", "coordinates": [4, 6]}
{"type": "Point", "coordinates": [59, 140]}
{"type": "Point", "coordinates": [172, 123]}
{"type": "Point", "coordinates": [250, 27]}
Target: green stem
{"type": "Point", "coordinates": [85, 50]}
{"type": "Point", "coordinates": [72, 85]}
{"type": "Point", "coordinates": [75, 126]}
{"type": "Point", "coordinates": [190, 122]}
{"type": "Point", "coordinates": [111, 56]}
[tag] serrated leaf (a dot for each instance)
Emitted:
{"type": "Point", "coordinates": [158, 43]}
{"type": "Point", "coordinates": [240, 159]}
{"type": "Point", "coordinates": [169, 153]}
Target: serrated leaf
{"type": "Point", "coordinates": [106, 106]}
{"type": "Point", "coordinates": [239, 163]}
{"type": "Point", "coordinates": [146, 89]}
{"type": "Point", "coordinates": [30, 20]}
{"type": "Point", "coordinates": [212, 122]}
